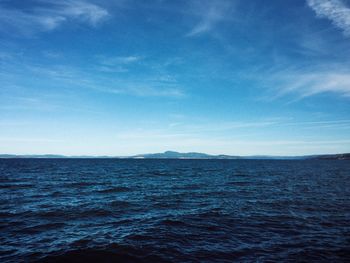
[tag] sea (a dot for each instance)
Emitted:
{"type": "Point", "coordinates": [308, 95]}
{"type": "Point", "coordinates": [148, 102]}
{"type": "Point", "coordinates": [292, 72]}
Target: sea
{"type": "Point", "coordinates": [145, 210]}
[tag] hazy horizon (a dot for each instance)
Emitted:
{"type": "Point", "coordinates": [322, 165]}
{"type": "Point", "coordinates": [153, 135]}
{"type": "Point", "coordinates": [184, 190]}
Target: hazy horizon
{"type": "Point", "coordinates": [126, 77]}
{"type": "Point", "coordinates": [151, 153]}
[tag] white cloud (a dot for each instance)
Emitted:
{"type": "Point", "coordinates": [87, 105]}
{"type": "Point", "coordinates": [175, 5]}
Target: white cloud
{"type": "Point", "coordinates": [49, 15]}
{"type": "Point", "coordinates": [146, 91]}
{"type": "Point", "coordinates": [312, 83]}
{"type": "Point", "coordinates": [114, 61]}
{"type": "Point", "coordinates": [84, 11]}
{"type": "Point", "coordinates": [68, 77]}
{"type": "Point", "coordinates": [123, 60]}
{"type": "Point", "coordinates": [335, 10]}
{"type": "Point", "coordinates": [116, 64]}
{"type": "Point", "coordinates": [304, 82]}
{"type": "Point", "coordinates": [210, 13]}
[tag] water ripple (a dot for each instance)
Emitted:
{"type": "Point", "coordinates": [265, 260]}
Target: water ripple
{"type": "Point", "coordinates": [105, 210]}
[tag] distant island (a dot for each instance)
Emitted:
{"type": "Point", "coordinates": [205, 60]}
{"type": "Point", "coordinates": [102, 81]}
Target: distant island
{"type": "Point", "coordinates": [189, 155]}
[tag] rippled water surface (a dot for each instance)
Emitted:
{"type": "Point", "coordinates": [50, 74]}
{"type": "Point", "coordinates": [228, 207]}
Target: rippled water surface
{"type": "Point", "coordinates": [107, 210]}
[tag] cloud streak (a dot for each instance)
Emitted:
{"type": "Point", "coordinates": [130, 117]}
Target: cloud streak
{"type": "Point", "coordinates": [313, 83]}
{"type": "Point", "coordinates": [49, 15]}
{"type": "Point", "coordinates": [146, 91]}
{"type": "Point", "coordinates": [303, 82]}
{"type": "Point", "coordinates": [116, 64]}
{"type": "Point", "coordinates": [335, 10]}
{"type": "Point", "coordinates": [210, 13]}
{"type": "Point", "coordinates": [67, 77]}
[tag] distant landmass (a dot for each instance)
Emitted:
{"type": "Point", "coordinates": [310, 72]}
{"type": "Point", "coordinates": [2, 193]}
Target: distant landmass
{"type": "Point", "coordinates": [195, 155]}
{"type": "Point", "coordinates": [189, 155]}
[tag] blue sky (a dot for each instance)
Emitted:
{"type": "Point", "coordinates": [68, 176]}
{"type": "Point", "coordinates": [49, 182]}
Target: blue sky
{"type": "Point", "coordinates": [122, 77]}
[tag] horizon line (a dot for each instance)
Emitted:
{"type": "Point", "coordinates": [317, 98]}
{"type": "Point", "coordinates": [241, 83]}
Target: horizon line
{"type": "Point", "coordinates": [144, 155]}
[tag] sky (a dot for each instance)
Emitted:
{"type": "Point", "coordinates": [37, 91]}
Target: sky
{"type": "Point", "coordinates": [124, 77]}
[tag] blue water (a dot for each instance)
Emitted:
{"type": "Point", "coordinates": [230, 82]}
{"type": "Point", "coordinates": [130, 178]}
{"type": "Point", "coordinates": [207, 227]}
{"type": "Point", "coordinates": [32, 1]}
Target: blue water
{"type": "Point", "coordinates": [107, 210]}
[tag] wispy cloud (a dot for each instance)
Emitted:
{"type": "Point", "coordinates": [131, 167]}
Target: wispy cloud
{"type": "Point", "coordinates": [112, 61]}
{"type": "Point", "coordinates": [237, 127]}
{"type": "Point", "coordinates": [312, 83]}
{"type": "Point", "coordinates": [84, 11]}
{"type": "Point", "coordinates": [67, 77]}
{"type": "Point", "coordinates": [116, 64]}
{"type": "Point", "coordinates": [210, 14]}
{"type": "Point", "coordinates": [47, 15]}
{"type": "Point", "coordinates": [303, 82]}
{"type": "Point", "coordinates": [146, 91]}
{"type": "Point", "coordinates": [335, 10]}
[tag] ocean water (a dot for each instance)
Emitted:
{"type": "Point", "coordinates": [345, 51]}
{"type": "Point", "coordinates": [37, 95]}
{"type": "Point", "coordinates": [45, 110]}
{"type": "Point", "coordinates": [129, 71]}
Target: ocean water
{"type": "Point", "coordinates": [110, 210]}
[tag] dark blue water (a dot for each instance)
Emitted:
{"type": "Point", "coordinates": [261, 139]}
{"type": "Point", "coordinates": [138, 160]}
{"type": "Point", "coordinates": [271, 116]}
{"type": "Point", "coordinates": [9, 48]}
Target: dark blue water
{"type": "Point", "coordinates": [104, 210]}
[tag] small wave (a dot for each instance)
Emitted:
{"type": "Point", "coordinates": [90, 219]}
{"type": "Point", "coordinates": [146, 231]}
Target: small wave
{"type": "Point", "coordinates": [95, 213]}
{"type": "Point", "coordinates": [239, 183]}
{"type": "Point", "coordinates": [80, 184]}
{"type": "Point", "coordinates": [74, 213]}
{"type": "Point", "coordinates": [159, 173]}
{"type": "Point", "coordinates": [120, 203]}
{"type": "Point", "coordinates": [189, 187]}
{"type": "Point", "coordinates": [41, 228]}
{"type": "Point", "coordinates": [16, 186]}
{"type": "Point", "coordinates": [84, 242]}
{"type": "Point", "coordinates": [170, 222]}
{"type": "Point", "coordinates": [57, 194]}
{"type": "Point", "coordinates": [7, 214]}
{"type": "Point", "coordinates": [139, 237]}
{"type": "Point", "coordinates": [121, 254]}
{"type": "Point", "coordinates": [115, 190]}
